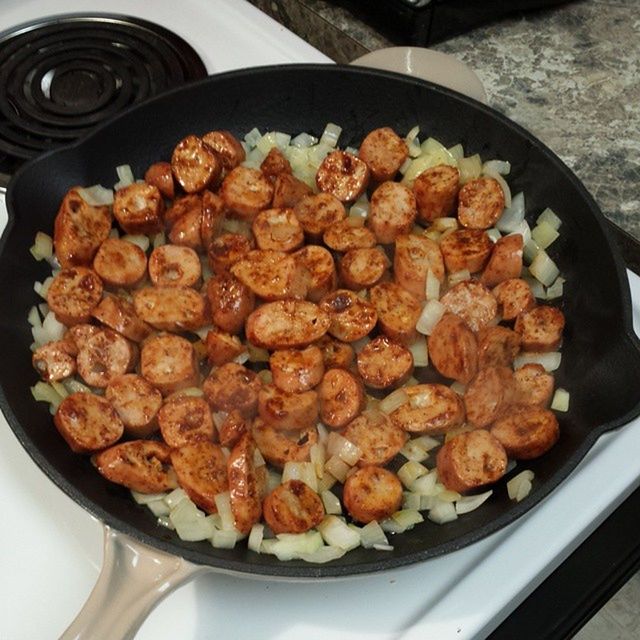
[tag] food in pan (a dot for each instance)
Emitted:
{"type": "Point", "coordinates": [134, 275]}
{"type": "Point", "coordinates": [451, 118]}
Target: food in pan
{"type": "Point", "coordinates": [243, 339]}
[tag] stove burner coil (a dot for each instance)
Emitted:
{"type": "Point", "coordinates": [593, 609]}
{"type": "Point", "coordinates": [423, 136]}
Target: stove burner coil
{"type": "Point", "coordinates": [63, 75]}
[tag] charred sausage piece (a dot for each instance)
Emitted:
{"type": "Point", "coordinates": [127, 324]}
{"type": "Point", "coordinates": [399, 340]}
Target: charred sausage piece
{"type": "Point", "coordinates": [505, 261]}
{"type": "Point", "coordinates": [383, 363]}
{"type": "Point", "coordinates": [226, 146]}
{"type": "Point", "coordinates": [362, 268]}
{"type": "Point", "coordinates": [190, 205]}
{"type": "Point", "coordinates": [351, 317]}
{"type": "Point", "coordinates": [398, 311]}
{"type": "Point", "coordinates": [74, 294]}
{"type": "Point", "coordinates": [293, 507]}
{"type": "Point", "coordinates": [232, 428]}
{"type": "Point", "coordinates": [55, 360]}
{"type": "Point", "coordinates": [231, 302]}
{"type": "Point", "coordinates": [341, 396]}
{"type": "Point", "coordinates": [466, 249]}
{"type": "Point", "coordinates": [213, 212]}
{"type": "Point", "coordinates": [120, 263]}
{"type": "Point", "coordinates": [480, 203]}
{"type": "Point", "coordinates": [137, 403]}
{"type": "Point", "coordinates": [378, 438]}
{"type": "Point", "coordinates": [186, 230]}
{"type": "Point", "coordinates": [286, 324]}
{"type": "Point", "coordinates": [244, 484]}
{"type": "Point", "coordinates": [279, 447]}
{"type": "Point", "coordinates": [319, 271]}
{"type": "Point", "coordinates": [453, 349]}
{"type": "Point", "coordinates": [88, 422]}
{"type": "Point", "coordinates": [297, 370]}
{"type": "Point", "coordinates": [473, 302]}
{"type": "Point", "coordinates": [384, 151]}
{"type": "Point", "coordinates": [222, 347]}
{"type": "Point", "coordinates": [488, 395]}
{"type": "Point", "coordinates": [76, 337]}
{"type": "Point", "coordinates": [526, 432]}
{"type": "Point", "coordinates": [436, 190]}
{"type": "Point", "coordinates": [169, 363]}
{"type": "Point", "coordinates": [233, 386]}
{"type": "Point", "coordinates": [277, 230]}
{"type": "Point", "coordinates": [540, 328]}
{"type": "Point", "coordinates": [317, 212]}
{"type": "Point", "coordinates": [271, 275]}
{"type": "Point", "coordinates": [497, 347]}
{"type": "Point", "coordinates": [287, 411]}
{"type": "Point", "coordinates": [343, 175]}
{"type": "Point", "coordinates": [341, 236]}
{"type": "Point", "coordinates": [170, 308]}
{"type": "Point", "coordinates": [246, 192]}
{"type": "Point", "coordinates": [227, 249]}
{"type": "Point", "coordinates": [335, 353]}
{"type": "Point", "coordinates": [160, 176]}
{"type": "Point", "coordinates": [171, 265]}
{"type": "Point", "coordinates": [139, 465]}
{"type": "Point", "coordinates": [119, 314]}
{"type": "Point", "coordinates": [138, 208]}
{"type": "Point", "coordinates": [288, 190]}
{"type": "Point", "coordinates": [105, 356]}
{"type": "Point", "coordinates": [392, 211]}
{"type": "Point", "coordinates": [185, 420]}
{"type": "Point", "coordinates": [414, 256]}
{"type": "Point", "coordinates": [514, 297]}
{"type": "Point", "coordinates": [275, 163]}
{"type": "Point", "coordinates": [372, 493]}
{"type": "Point", "coordinates": [79, 230]}
{"type": "Point", "coordinates": [534, 385]}
{"type": "Point", "coordinates": [201, 468]}
{"type": "Point", "coordinates": [433, 409]}
{"type": "Point", "coordinates": [471, 460]}
{"type": "Point", "coordinates": [195, 165]}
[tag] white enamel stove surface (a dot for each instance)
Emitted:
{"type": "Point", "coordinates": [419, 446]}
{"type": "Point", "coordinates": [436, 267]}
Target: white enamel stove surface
{"type": "Point", "coordinates": [51, 550]}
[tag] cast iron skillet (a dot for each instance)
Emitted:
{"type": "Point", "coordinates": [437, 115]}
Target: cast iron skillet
{"type": "Point", "coordinates": [601, 356]}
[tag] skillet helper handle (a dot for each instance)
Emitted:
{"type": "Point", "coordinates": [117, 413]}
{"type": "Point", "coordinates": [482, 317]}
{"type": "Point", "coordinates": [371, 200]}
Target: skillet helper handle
{"type": "Point", "coordinates": [133, 580]}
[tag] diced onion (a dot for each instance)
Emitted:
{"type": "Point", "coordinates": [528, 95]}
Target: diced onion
{"type": "Point", "coordinates": [303, 140]}
{"type": "Point", "coordinates": [372, 534]}
{"type": "Point", "coordinates": [346, 450]}
{"type": "Point", "coordinates": [411, 500]}
{"type": "Point", "coordinates": [159, 239]}
{"type": "Point", "coordinates": [425, 485]}
{"type": "Point", "coordinates": [530, 250]}
{"type": "Point", "coordinates": [125, 177]}
{"type": "Point", "coordinates": [457, 151]}
{"type": "Point", "coordinates": [550, 218]}
{"type": "Point", "coordinates": [159, 508]}
{"type": "Point", "coordinates": [458, 276]}
{"type": "Point", "coordinates": [543, 268]}
{"type": "Point", "coordinates": [465, 504]}
{"type": "Point", "coordinates": [420, 352]}
{"type": "Point", "coordinates": [223, 505]}
{"type": "Point", "coordinates": [395, 399]}
{"type": "Point", "coordinates": [330, 134]}
{"type": "Point", "coordinates": [337, 533]}
{"type": "Point", "coordinates": [42, 248]}
{"type": "Point", "coordinates": [224, 539]}
{"type": "Point", "coordinates": [42, 288]}
{"type": "Point", "coordinates": [43, 392]}
{"type": "Point", "coordinates": [520, 485]}
{"type": "Point", "coordinates": [458, 387]}
{"type": "Point", "coordinates": [501, 167]}
{"type": "Point", "coordinates": [536, 287]}
{"type": "Point", "coordinates": [359, 209]}
{"type": "Point", "coordinates": [470, 168]}
{"type": "Point", "coordinates": [323, 554]}
{"type": "Point", "coordinates": [175, 497]}
{"type": "Point", "coordinates": [139, 240]}
{"type": "Point", "coordinates": [97, 195]}
{"type": "Point", "coordinates": [318, 457]}
{"type": "Point", "coordinates": [524, 230]}
{"type": "Point", "coordinates": [550, 360]}
{"type": "Point", "coordinates": [256, 535]}
{"type": "Point", "coordinates": [34, 317]}
{"type": "Point", "coordinates": [544, 234]}
{"type": "Point", "coordinates": [512, 215]}
{"type": "Point", "coordinates": [406, 519]}
{"type": "Point", "coordinates": [442, 512]}
{"type": "Point", "coordinates": [494, 234]}
{"type": "Point", "coordinates": [560, 400]}
{"type": "Point", "coordinates": [337, 468]}
{"type": "Point", "coordinates": [251, 138]}
{"type": "Point", "coordinates": [331, 502]}
{"type": "Point", "coordinates": [326, 481]}
{"type": "Point", "coordinates": [556, 290]}
{"type": "Point", "coordinates": [431, 314]}
{"type": "Point", "coordinates": [303, 471]}
{"type": "Point", "coordinates": [257, 354]}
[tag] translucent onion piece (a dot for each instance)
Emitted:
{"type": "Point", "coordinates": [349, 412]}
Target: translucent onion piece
{"type": "Point", "coordinates": [43, 392]}
{"type": "Point", "coordinates": [337, 468]}
{"type": "Point", "coordinates": [420, 352]}
{"type": "Point", "coordinates": [337, 533]}
{"type": "Point", "coordinates": [457, 151]}
{"type": "Point", "coordinates": [465, 504]}
{"type": "Point", "coordinates": [411, 500]}
{"type": "Point", "coordinates": [224, 539]}
{"type": "Point", "coordinates": [394, 400]}
{"type": "Point", "coordinates": [34, 317]}
{"type": "Point", "coordinates": [176, 496]}
{"type": "Point", "coordinates": [331, 502]}
{"type": "Point", "coordinates": [303, 471]}
{"type": "Point", "coordinates": [470, 168]}
{"type": "Point", "coordinates": [501, 167]}
{"type": "Point", "coordinates": [410, 471]}
{"type": "Point", "coordinates": [494, 234]}
{"type": "Point", "coordinates": [139, 240]}
{"type": "Point", "coordinates": [303, 140]}
{"type": "Point", "coordinates": [251, 139]}
{"type": "Point", "coordinates": [256, 535]}
{"type": "Point", "coordinates": [530, 250]}
{"type": "Point", "coordinates": [544, 234]}
{"type": "Point", "coordinates": [442, 512]}
{"type": "Point", "coordinates": [458, 276]}
{"type": "Point", "coordinates": [407, 518]}
{"type": "Point", "coordinates": [323, 554]}
{"type": "Point", "coordinates": [97, 195]}
{"type": "Point", "coordinates": [223, 505]}
{"type": "Point", "coordinates": [42, 248]}
{"type": "Point", "coordinates": [338, 445]}
{"type": "Point", "coordinates": [330, 134]}
{"type": "Point", "coordinates": [445, 224]}
{"type": "Point", "coordinates": [550, 218]}
{"type": "Point", "coordinates": [556, 290]}
{"type": "Point", "coordinates": [524, 230]}
{"type": "Point", "coordinates": [550, 360]}
{"type": "Point", "coordinates": [513, 215]}
{"type": "Point", "coordinates": [426, 485]}
{"type": "Point", "coordinates": [431, 314]}
{"type": "Point", "coordinates": [159, 508]}
{"type": "Point", "coordinates": [560, 401]}
{"type": "Point", "coordinates": [372, 534]}
{"type": "Point", "coordinates": [544, 269]}
{"type": "Point", "coordinates": [520, 485]}
{"type": "Point", "coordinates": [359, 209]}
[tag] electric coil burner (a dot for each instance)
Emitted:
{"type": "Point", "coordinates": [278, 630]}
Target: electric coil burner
{"type": "Point", "coordinates": [63, 75]}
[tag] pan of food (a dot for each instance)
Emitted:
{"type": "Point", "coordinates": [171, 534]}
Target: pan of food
{"type": "Point", "coordinates": [307, 321]}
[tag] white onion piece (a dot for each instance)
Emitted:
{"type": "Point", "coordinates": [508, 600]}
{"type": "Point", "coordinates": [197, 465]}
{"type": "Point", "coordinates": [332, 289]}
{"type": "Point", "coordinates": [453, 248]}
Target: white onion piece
{"type": "Point", "coordinates": [465, 504]}
{"type": "Point", "coordinates": [331, 503]}
{"type": "Point", "coordinates": [524, 230]}
{"type": "Point", "coordinates": [125, 177]}
{"type": "Point", "coordinates": [445, 224]}
{"type": "Point", "coordinates": [224, 539]}
{"type": "Point", "coordinates": [458, 388]}
{"type": "Point", "coordinates": [75, 386]}
{"type": "Point", "coordinates": [139, 240]}
{"type": "Point", "coordinates": [520, 485]}
{"type": "Point", "coordinates": [560, 401]}
{"type": "Point", "coordinates": [159, 508]}
{"type": "Point", "coordinates": [544, 269]}
{"type": "Point", "coordinates": [550, 360]}
{"type": "Point", "coordinates": [550, 218]}
{"type": "Point", "coordinates": [359, 210]}
{"type": "Point", "coordinates": [337, 533]}
{"type": "Point", "coordinates": [159, 240]}
{"type": "Point", "coordinates": [530, 250]}
{"type": "Point", "coordinates": [323, 554]}
{"type": "Point", "coordinates": [406, 519]}
{"type": "Point", "coordinates": [456, 277]}
{"type": "Point", "coordinates": [223, 505]}
{"type": "Point", "coordinates": [442, 512]}
{"type": "Point", "coordinates": [274, 479]}
{"type": "Point", "coordinates": [457, 151]}
{"type": "Point", "coordinates": [303, 471]}
{"type": "Point", "coordinates": [501, 167]}
{"type": "Point", "coordinates": [326, 482]}
{"type": "Point", "coordinates": [256, 536]}
{"type": "Point", "coordinates": [303, 140]}
{"type": "Point", "coordinates": [470, 168]}
{"type": "Point", "coordinates": [431, 314]}
{"type": "Point", "coordinates": [426, 485]}
{"type": "Point", "coordinates": [494, 234]}
{"type": "Point", "coordinates": [42, 248]}
{"type": "Point", "coordinates": [544, 234]}
{"type": "Point", "coordinates": [288, 546]}
{"type": "Point", "coordinates": [330, 134]}
{"type": "Point", "coordinates": [337, 468]}
{"type": "Point", "coordinates": [96, 195]}
{"type": "Point", "coordinates": [41, 288]}
{"type": "Point", "coordinates": [556, 290]}
{"type": "Point", "coordinates": [43, 392]}
{"type": "Point", "coordinates": [395, 399]}
{"type": "Point", "coordinates": [512, 215]}
{"type": "Point", "coordinates": [318, 457]}
{"type": "Point", "coordinates": [176, 496]}
{"type": "Point", "coordinates": [34, 317]}
{"type": "Point", "coordinates": [251, 138]}
{"type": "Point", "coordinates": [410, 471]}
{"type": "Point", "coordinates": [420, 352]}
{"type": "Point", "coordinates": [411, 500]}
{"type": "Point", "coordinates": [372, 534]}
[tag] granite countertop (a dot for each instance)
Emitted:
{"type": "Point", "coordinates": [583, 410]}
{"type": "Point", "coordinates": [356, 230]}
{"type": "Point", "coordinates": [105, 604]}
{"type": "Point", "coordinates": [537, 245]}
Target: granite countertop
{"type": "Point", "coordinates": [569, 75]}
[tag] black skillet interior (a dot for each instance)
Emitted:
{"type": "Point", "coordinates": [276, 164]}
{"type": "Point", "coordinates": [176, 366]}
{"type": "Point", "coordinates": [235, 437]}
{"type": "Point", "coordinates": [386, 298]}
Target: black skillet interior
{"type": "Point", "coordinates": [601, 361]}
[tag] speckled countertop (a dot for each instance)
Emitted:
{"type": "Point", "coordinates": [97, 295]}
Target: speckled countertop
{"type": "Point", "coordinates": [570, 75]}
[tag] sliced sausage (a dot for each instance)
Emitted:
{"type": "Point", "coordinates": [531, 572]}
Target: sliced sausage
{"type": "Point", "coordinates": [534, 385]}
{"type": "Point", "coordinates": [378, 438]}
{"type": "Point", "coordinates": [453, 349]}
{"type": "Point", "coordinates": [433, 409]}
{"type": "Point", "coordinates": [120, 263]}
{"type": "Point", "coordinates": [466, 249]}
{"type": "Point", "coordinates": [77, 336]}
{"type": "Point", "coordinates": [497, 347]}
{"type": "Point", "coordinates": [222, 347]}
{"type": "Point", "coordinates": [213, 212]}
{"type": "Point", "coordinates": [473, 302]}
{"type": "Point", "coordinates": [275, 163]}
{"type": "Point", "coordinates": [341, 396]}
{"type": "Point", "coordinates": [201, 468]}
{"type": "Point", "coordinates": [351, 317]}
{"type": "Point", "coordinates": [514, 297]}
{"type": "Point", "coordinates": [170, 308]}
{"type": "Point", "coordinates": [289, 190]}
{"type": "Point", "coordinates": [343, 175]}
{"type": "Point", "coordinates": [527, 432]}
{"type": "Point", "coordinates": [293, 507]}
{"type": "Point", "coordinates": [139, 465]}
{"type": "Point", "coordinates": [392, 211]}
{"type": "Point", "coordinates": [414, 256]}
{"type": "Point", "coordinates": [287, 411]}
{"type": "Point", "coordinates": [505, 261]}
{"type": "Point", "coordinates": [286, 324]}
{"type": "Point", "coordinates": [319, 271]}
{"type": "Point", "coordinates": [184, 420]}
{"type": "Point", "coordinates": [225, 250]}
{"type": "Point", "coordinates": [398, 311]}
{"type": "Point", "coordinates": [137, 402]}
{"type": "Point", "coordinates": [160, 176]}
{"type": "Point", "coordinates": [246, 191]}
{"type": "Point", "coordinates": [138, 208]}
{"type": "Point", "coordinates": [436, 190]}
{"type": "Point", "coordinates": [362, 268]}
{"type": "Point", "coordinates": [190, 205]}
{"type": "Point", "coordinates": [173, 266]}
{"type": "Point", "coordinates": [88, 422]}
{"type": "Point", "coordinates": [372, 493]}
{"type": "Point", "coordinates": [317, 212]}
{"type": "Point", "coordinates": [227, 147]}
{"type": "Point", "coordinates": [186, 231]}
{"type": "Point", "coordinates": [233, 426]}
{"type": "Point", "coordinates": [74, 294]}
{"type": "Point", "coordinates": [169, 363]}
{"type": "Point", "coordinates": [244, 484]}
{"type": "Point", "coordinates": [471, 460]}
{"type": "Point", "coordinates": [279, 447]}
{"type": "Point", "coordinates": [231, 302]}
{"type": "Point", "coordinates": [384, 151]}
{"type": "Point", "coordinates": [120, 315]}
{"type": "Point", "coordinates": [105, 356]}
{"type": "Point", "coordinates": [342, 236]}
{"type": "Point", "coordinates": [383, 363]}
{"type": "Point", "coordinates": [277, 230]}
{"type": "Point", "coordinates": [480, 203]}
{"type": "Point", "coordinates": [55, 360]}
{"type": "Point", "coordinates": [490, 392]}
{"type": "Point", "coordinates": [335, 353]}
{"type": "Point", "coordinates": [233, 386]}
{"type": "Point", "coordinates": [297, 370]}
{"type": "Point", "coordinates": [79, 230]}
{"type": "Point", "coordinates": [195, 165]}
{"type": "Point", "coordinates": [540, 328]}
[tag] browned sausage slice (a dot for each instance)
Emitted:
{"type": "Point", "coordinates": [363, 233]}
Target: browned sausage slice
{"type": "Point", "coordinates": [343, 175]}
{"type": "Point", "coordinates": [233, 386]}
{"type": "Point", "coordinates": [194, 164]}
{"type": "Point", "coordinates": [372, 493]}
{"type": "Point", "coordinates": [488, 395]}
{"type": "Point", "coordinates": [170, 308]}
{"type": "Point", "coordinates": [119, 314]}
{"type": "Point", "coordinates": [88, 422]}
{"type": "Point", "coordinates": [275, 163]}
{"type": "Point", "coordinates": [120, 263]}
{"type": "Point", "coordinates": [297, 370]}
{"type": "Point", "coordinates": [222, 347]}
{"type": "Point", "coordinates": [514, 297]}
{"type": "Point", "coordinates": [362, 268]}
{"type": "Point", "coordinates": [186, 231]}
{"type": "Point", "coordinates": [433, 409]}
{"type": "Point", "coordinates": [351, 317]}
{"type": "Point", "coordinates": [335, 353]}
{"type": "Point", "coordinates": [384, 151]}
{"type": "Point", "coordinates": [383, 363]}
{"type": "Point", "coordinates": [55, 360]}
{"type": "Point", "coordinates": [137, 403]}
{"type": "Point", "coordinates": [279, 447]}
{"type": "Point", "coordinates": [319, 271]}
{"type": "Point", "coordinates": [169, 363]}
{"type": "Point", "coordinates": [105, 356]}
{"type": "Point", "coordinates": [505, 261]}
{"type": "Point", "coordinates": [378, 438]}
{"type": "Point", "coordinates": [171, 265]}
{"type": "Point", "coordinates": [471, 460]}
{"type": "Point", "coordinates": [277, 230]}
{"type": "Point", "coordinates": [226, 146]}
{"type": "Point", "coordinates": [226, 249]}
{"type": "Point", "coordinates": [392, 211]}
{"type": "Point", "coordinates": [414, 256]}
{"type": "Point", "coordinates": [398, 311]}
{"type": "Point", "coordinates": [317, 212]}
{"type": "Point", "coordinates": [246, 191]}
{"type": "Point", "coordinates": [453, 349]}
{"type": "Point", "coordinates": [480, 203]}
{"type": "Point", "coordinates": [184, 420]}
{"type": "Point", "coordinates": [497, 347]}
{"type": "Point", "coordinates": [436, 190]}
{"type": "Point", "coordinates": [74, 294]}
{"type": "Point", "coordinates": [466, 249]}
{"type": "Point", "coordinates": [244, 484]}
{"type": "Point", "coordinates": [213, 212]}
{"type": "Point", "coordinates": [138, 208]}
{"type": "Point", "coordinates": [540, 328]}
{"type": "Point", "coordinates": [76, 337]}
{"type": "Point", "coordinates": [159, 175]}
{"type": "Point", "coordinates": [293, 507]}
{"type": "Point", "coordinates": [287, 411]}
{"type": "Point", "coordinates": [341, 396]}
{"type": "Point", "coordinates": [342, 236]}
{"type": "Point", "coordinates": [534, 385]}
{"type": "Point", "coordinates": [232, 428]}
{"type": "Point", "coordinates": [231, 302]}
{"type": "Point", "coordinates": [473, 302]}
{"type": "Point", "coordinates": [288, 190]}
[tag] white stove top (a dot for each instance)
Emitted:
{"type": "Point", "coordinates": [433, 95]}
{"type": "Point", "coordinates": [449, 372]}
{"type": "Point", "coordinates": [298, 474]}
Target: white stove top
{"type": "Point", "coordinates": [51, 550]}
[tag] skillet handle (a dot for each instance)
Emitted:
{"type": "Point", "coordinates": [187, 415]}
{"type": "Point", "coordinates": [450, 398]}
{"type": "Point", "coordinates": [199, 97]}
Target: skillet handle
{"type": "Point", "coordinates": [133, 579]}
